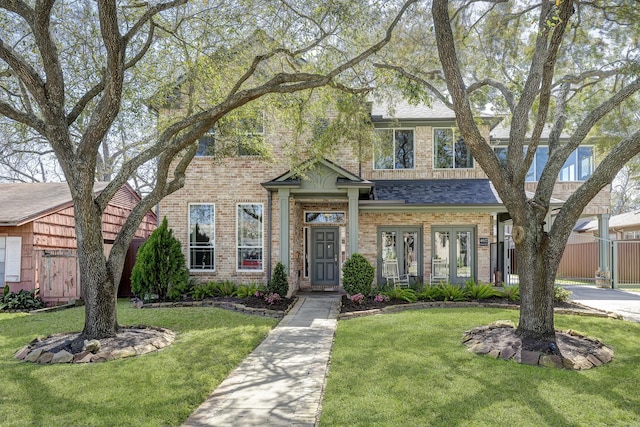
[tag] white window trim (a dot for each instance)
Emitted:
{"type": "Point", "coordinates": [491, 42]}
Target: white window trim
{"type": "Point", "coordinates": [12, 259]}
{"type": "Point", "coordinates": [456, 131]}
{"type": "Point", "coordinates": [394, 150]}
{"type": "Point", "coordinates": [215, 251]}
{"type": "Point", "coordinates": [239, 270]}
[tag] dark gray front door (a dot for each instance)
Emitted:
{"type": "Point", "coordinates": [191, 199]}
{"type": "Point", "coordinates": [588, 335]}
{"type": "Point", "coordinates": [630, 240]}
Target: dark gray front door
{"type": "Point", "coordinates": [324, 256]}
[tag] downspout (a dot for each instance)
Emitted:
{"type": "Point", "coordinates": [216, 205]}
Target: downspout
{"type": "Point", "coordinates": [269, 227]}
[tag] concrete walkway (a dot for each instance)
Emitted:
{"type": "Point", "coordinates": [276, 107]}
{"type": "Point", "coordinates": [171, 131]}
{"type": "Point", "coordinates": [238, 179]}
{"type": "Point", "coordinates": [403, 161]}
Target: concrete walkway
{"type": "Point", "coordinates": [281, 383]}
{"type": "Point", "coordinates": [624, 303]}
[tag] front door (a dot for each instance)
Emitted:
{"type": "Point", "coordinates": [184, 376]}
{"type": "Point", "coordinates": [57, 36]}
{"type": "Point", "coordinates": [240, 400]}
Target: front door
{"type": "Point", "coordinates": [324, 256]}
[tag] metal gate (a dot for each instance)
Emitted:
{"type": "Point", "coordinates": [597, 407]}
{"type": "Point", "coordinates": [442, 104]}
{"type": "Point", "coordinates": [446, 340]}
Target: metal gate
{"type": "Point", "coordinates": [580, 262]}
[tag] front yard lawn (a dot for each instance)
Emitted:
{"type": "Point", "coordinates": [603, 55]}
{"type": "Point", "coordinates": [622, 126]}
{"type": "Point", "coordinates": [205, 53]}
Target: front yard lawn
{"type": "Point", "coordinates": [411, 369]}
{"type": "Point", "coordinates": [159, 388]}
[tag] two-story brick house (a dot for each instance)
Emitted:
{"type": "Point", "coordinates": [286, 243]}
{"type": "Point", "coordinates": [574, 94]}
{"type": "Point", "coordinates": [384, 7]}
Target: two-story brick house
{"type": "Point", "coordinates": [420, 196]}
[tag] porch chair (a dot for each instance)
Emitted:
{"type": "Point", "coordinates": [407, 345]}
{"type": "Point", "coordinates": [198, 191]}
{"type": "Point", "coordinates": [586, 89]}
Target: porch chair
{"type": "Point", "coordinates": [439, 270]}
{"type": "Point", "coordinates": [391, 272]}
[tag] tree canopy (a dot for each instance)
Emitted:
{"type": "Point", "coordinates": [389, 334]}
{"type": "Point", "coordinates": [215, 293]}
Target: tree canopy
{"type": "Point", "coordinates": [76, 73]}
{"type": "Point", "coordinates": [556, 70]}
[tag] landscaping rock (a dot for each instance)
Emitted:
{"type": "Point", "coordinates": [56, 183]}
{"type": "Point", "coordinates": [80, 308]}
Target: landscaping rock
{"type": "Point", "coordinates": [507, 353]}
{"type": "Point", "coordinates": [92, 346]}
{"type": "Point", "coordinates": [124, 352]}
{"type": "Point", "coordinates": [84, 357]}
{"type": "Point", "coordinates": [528, 357]}
{"type": "Point", "coordinates": [62, 356]}
{"type": "Point", "coordinates": [34, 355]}
{"type": "Point", "coordinates": [45, 358]}
{"type": "Point", "coordinates": [22, 353]}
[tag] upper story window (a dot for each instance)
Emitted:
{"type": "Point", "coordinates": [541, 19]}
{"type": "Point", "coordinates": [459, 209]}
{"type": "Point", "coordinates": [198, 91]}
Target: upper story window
{"type": "Point", "coordinates": [578, 167]}
{"type": "Point", "coordinates": [234, 136]}
{"type": "Point", "coordinates": [202, 243]}
{"type": "Point", "coordinates": [394, 149]}
{"type": "Point", "coordinates": [449, 150]}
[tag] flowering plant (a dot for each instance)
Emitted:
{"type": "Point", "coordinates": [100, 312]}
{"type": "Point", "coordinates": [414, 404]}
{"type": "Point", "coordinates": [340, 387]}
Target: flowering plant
{"type": "Point", "coordinates": [357, 298]}
{"type": "Point", "coordinates": [272, 298]}
{"type": "Point", "coordinates": [258, 294]}
{"type": "Point", "coordinates": [381, 298]}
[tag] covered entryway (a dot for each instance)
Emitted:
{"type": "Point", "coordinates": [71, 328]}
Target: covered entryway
{"type": "Point", "coordinates": [317, 219]}
{"type": "Point", "coordinates": [325, 269]}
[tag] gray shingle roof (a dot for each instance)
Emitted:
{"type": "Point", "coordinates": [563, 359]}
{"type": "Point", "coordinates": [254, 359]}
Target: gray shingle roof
{"type": "Point", "coordinates": [437, 192]}
{"type": "Point", "coordinates": [22, 202]}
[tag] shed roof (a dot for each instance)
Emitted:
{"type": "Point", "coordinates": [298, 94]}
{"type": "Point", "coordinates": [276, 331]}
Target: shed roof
{"type": "Point", "coordinates": [21, 203]}
{"type": "Point", "coordinates": [439, 192]}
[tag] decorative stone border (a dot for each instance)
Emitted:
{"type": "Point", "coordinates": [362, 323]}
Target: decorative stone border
{"type": "Point", "coordinates": [131, 341]}
{"type": "Point", "coordinates": [575, 351]}
{"type": "Point", "coordinates": [264, 312]}
{"type": "Point", "coordinates": [585, 311]}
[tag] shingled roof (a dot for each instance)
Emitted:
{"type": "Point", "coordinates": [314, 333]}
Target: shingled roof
{"type": "Point", "coordinates": [24, 202]}
{"type": "Point", "coordinates": [439, 192]}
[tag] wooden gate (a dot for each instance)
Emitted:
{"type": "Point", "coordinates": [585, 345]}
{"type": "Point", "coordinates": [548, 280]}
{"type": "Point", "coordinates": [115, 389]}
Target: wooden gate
{"type": "Point", "coordinates": [58, 275]}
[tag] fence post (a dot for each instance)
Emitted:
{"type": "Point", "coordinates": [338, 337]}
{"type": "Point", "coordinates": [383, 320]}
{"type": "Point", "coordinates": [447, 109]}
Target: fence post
{"type": "Point", "coordinates": [614, 264]}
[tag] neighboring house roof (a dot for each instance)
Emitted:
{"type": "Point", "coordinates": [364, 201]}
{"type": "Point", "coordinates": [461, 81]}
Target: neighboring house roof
{"type": "Point", "coordinates": [625, 220]}
{"type": "Point", "coordinates": [474, 193]}
{"type": "Point", "coordinates": [24, 202]}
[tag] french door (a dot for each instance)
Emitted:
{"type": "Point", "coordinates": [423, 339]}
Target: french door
{"type": "Point", "coordinates": [456, 246]}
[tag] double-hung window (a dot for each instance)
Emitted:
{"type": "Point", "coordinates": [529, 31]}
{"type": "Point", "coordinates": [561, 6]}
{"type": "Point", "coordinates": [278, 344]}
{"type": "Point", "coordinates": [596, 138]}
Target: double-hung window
{"type": "Point", "coordinates": [449, 150]}
{"type": "Point", "coordinates": [234, 136]}
{"type": "Point", "coordinates": [394, 149]}
{"type": "Point", "coordinates": [250, 242]}
{"type": "Point", "coordinates": [202, 247]}
{"type": "Point", "coordinates": [10, 257]}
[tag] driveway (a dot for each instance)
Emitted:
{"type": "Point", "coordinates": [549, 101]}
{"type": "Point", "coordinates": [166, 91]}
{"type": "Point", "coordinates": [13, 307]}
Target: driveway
{"type": "Point", "coordinates": [626, 304]}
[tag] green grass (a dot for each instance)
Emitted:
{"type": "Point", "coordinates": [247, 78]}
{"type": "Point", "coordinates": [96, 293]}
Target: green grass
{"type": "Point", "coordinates": [160, 388]}
{"type": "Point", "coordinates": [411, 369]}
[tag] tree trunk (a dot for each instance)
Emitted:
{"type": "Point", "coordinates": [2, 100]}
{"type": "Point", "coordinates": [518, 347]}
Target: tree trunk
{"type": "Point", "coordinates": [537, 276]}
{"type": "Point", "coordinates": [98, 285]}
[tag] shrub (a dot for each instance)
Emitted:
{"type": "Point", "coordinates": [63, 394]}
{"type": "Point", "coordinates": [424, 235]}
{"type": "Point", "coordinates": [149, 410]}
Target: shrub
{"type": "Point", "coordinates": [225, 289]}
{"type": "Point", "coordinates": [244, 291]}
{"type": "Point", "coordinates": [511, 292]}
{"type": "Point", "coordinates": [279, 282]}
{"type": "Point", "coordinates": [408, 295]}
{"type": "Point", "coordinates": [450, 292]}
{"type": "Point", "coordinates": [430, 293]}
{"type": "Point", "coordinates": [21, 300]}
{"type": "Point", "coordinates": [480, 290]}
{"type": "Point", "coordinates": [160, 265]}
{"type": "Point", "coordinates": [358, 275]}
{"type": "Point", "coordinates": [560, 294]}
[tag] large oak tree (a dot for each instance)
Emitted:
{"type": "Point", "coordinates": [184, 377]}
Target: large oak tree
{"type": "Point", "coordinates": [562, 66]}
{"type": "Point", "coordinates": [71, 67]}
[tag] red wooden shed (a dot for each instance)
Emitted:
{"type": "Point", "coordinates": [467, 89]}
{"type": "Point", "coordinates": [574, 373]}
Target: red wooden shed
{"type": "Point", "coordinates": [38, 249]}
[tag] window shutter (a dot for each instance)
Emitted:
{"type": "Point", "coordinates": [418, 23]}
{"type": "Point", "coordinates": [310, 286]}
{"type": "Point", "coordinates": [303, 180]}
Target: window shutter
{"type": "Point", "coordinates": [13, 258]}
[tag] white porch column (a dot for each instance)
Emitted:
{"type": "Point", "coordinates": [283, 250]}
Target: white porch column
{"type": "Point", "coordinates": [353, 220]}
{"type": "Point", "coordinates": [283, 196]}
